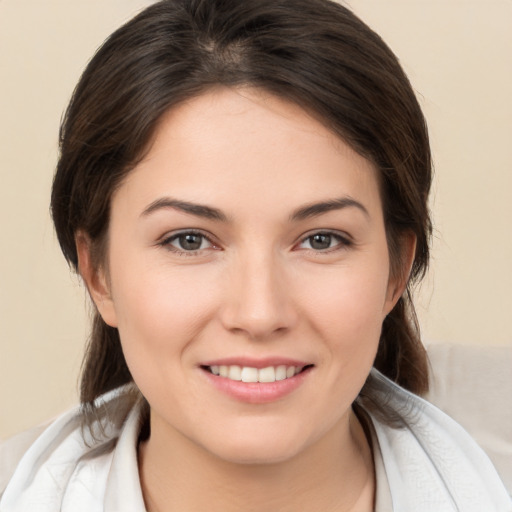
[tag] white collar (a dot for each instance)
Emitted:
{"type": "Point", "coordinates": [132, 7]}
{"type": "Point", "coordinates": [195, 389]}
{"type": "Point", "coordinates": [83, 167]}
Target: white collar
{"type": "Point", "coordinates": [431, 464]}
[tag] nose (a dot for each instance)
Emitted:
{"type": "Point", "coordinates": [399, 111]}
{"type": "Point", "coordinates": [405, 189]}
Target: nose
{"type": "Point", "coordinates": [259, 303]}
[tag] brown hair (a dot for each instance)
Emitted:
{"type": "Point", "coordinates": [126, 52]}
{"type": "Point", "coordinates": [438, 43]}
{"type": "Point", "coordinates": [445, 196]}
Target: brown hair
{"type": "Point", "coordinates": [313, 52]}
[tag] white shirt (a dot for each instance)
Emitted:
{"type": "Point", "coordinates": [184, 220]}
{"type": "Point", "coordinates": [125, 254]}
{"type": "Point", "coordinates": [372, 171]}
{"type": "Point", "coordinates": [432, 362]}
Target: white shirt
{"type": "Point", "coordinates": [430, 465]}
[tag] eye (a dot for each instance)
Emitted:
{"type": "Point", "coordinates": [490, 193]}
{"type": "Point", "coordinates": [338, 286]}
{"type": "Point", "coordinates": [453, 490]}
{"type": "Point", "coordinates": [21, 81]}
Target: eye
{"type": "Point", "coordinates": [187, 241]}
{"type": "Point", "coordinates": [323, 241]}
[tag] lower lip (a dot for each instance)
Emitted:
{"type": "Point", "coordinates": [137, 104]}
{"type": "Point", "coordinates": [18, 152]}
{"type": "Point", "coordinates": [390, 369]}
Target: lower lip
{"type": "Point", "coordinates": [257, 392]}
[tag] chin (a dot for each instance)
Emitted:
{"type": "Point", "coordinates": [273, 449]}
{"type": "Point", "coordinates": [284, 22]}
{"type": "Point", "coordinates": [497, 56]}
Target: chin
{"type": "Point", "coordinates": [256, 454]}
{"type": "Point", "coordinates": [257, 448]}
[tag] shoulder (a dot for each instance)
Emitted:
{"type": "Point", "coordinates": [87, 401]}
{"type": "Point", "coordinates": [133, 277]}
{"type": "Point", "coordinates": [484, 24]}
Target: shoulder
{"type": "Point", "coordinates": [39, 465]}
{"type": "Point", "coordinates": [431, 461]}
{"type": "Point", "coordinates": [12, 450]}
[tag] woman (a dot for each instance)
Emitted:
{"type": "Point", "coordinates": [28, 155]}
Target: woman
{"type": "Point", "coordinates": [243, 188]}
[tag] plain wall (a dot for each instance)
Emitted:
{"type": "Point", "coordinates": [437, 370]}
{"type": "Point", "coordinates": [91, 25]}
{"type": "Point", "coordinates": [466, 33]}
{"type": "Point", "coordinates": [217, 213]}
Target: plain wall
{"type": "Point", "coordinates": [458, 55]}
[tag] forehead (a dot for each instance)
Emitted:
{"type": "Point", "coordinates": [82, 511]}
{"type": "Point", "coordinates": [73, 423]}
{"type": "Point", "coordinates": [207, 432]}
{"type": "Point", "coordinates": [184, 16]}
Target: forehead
{"type": "Point", "coordinates": [246, 143]}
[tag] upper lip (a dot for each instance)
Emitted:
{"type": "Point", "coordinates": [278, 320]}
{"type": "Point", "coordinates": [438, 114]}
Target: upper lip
{"type": "Point", "coordinates": [259, 363]}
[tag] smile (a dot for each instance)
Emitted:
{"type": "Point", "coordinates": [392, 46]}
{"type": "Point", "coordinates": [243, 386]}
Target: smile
{"type": "Point", "coordinates": [256, 381]}
{"type": "Point", "coordinates": [250, 374]}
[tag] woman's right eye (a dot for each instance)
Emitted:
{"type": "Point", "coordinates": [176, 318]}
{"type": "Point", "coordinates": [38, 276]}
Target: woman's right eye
{"type": "Point", "coordinates": [187, 242]}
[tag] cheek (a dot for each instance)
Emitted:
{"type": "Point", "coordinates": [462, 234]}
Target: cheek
{"type": "Point", "coordinates": [346, 309]}
{"type": "Point", "coordinates": [348, 300]}
{"type": "Point", "coordinates": [160, 310]}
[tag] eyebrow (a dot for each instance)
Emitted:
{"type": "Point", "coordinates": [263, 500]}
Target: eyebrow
{"type": "Point", "coordinates": [312, 210]}
{"type": "Point", "coordinates": [199, 210]}
{"type": "Point", "coordinates": [208, 212]}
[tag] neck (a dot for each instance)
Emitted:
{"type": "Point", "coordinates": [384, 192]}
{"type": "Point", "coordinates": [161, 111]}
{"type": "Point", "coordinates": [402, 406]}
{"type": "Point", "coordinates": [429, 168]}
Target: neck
{"type": "Point", "coordinates": [333, 474]}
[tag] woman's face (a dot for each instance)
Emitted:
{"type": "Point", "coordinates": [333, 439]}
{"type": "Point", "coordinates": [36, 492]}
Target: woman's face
{"type": "Point", "coordinates": [249, 242]}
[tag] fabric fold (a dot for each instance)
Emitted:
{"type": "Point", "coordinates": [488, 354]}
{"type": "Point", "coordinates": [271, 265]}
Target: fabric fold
{"type": "Point", "coordinates": [431, 463]}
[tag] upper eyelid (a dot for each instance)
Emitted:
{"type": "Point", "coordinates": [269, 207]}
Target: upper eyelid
{"type": "Point", "coordinates": [166, 242]}
{"type": "Point", "coordinates": [339, 234]}
{"type": "Point", "coordinates": [170, 236]}
{"type": "Point", "coordinates": [345, 242]}
{"type": "Point", "coordinates": [174, 234]}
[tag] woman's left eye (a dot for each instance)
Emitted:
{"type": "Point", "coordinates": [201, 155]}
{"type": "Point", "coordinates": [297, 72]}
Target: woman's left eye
{"type": "Point", "coordinates": [323, 241]}
{"type": "Point", "coordinates": [187, 242]}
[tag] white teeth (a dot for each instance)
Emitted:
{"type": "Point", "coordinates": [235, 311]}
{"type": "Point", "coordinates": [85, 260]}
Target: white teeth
{"type": "Point", "coordinates": [267, 374]}
{"type": "Point", "coordinates": [235, 373]}
{"type": "Point", "coordinates": [281, 372]}
{"type": "Point", "coordinates": [249, 374]}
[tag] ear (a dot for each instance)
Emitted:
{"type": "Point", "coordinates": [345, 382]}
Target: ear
{"type": "Point", "coordinates": [95, 279]}
{"type": "Point", "coordinates": [398, 283]}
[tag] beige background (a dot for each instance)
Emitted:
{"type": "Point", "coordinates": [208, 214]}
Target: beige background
{"type": "Point", "coordinates": [458, 54]}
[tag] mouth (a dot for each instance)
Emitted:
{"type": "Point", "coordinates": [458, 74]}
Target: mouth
{"type": "Point", "coordinates": [257, 381]}
{"type": "Point", "coordinates": [249, 374]}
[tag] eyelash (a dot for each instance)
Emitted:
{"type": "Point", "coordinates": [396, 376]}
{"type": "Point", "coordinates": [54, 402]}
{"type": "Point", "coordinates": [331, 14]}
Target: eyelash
{"type": "Point", "coordinates": [167, 242]}
{"type": "Point", "coordinates": [344, 242]}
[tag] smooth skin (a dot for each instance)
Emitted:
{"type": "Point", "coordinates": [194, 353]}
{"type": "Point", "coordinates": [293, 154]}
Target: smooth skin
{"type": "Point", "coordinates": [215, 251]}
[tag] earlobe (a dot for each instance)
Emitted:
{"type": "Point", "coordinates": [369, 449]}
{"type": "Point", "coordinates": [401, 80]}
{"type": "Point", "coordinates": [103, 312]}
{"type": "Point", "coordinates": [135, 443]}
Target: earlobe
{"type": "Point", "coordinates": [95, 280]}
{"type": "Point", "coordinates": [398, 283]}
